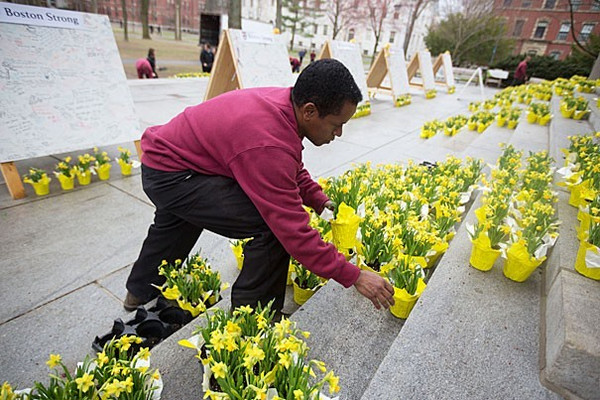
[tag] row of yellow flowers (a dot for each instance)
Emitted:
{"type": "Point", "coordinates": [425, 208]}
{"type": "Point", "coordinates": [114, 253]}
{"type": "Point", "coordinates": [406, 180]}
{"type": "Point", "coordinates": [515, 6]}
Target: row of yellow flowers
{"type": "Point", "coordinates": [86, 166]}
{"type": "Point", "coordinates": [582, 177]}
{"type": "Point", "coordinates": [517, 215]}
{"type": "Point", "coordinates": [120, 372]}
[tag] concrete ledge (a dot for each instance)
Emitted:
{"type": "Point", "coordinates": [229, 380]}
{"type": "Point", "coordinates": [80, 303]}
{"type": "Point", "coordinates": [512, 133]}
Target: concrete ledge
{"type": "Point", "coordinates": [348, 334]}
{"type": "Point", "coordinates": [472, 335]}
{"type": "Point", "coordinates": [572, 346]}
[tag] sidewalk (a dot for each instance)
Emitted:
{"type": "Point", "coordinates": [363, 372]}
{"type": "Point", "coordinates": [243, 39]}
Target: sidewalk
{"type": "Point", "coordinates": [66, 256]}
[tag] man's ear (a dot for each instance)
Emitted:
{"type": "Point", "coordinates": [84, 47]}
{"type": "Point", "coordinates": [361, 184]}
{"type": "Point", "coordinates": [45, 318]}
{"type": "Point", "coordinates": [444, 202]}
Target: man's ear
{"type": "Point", "coordinates": [309, 111]}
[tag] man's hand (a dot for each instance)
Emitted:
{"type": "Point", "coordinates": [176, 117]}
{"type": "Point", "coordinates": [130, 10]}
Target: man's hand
{"type": "Point", "coordinates": [375, 288]}
{"type": "Point", "coordinates": [330, 205]}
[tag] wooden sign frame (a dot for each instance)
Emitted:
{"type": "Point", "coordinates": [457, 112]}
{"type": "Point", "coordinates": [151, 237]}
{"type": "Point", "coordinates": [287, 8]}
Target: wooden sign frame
{"type": "Point", "coordinates": [415, 65]}
{"type": "Point", "coordinates": [234, 66]}
{"type": "Point", "coordinates": [443, 60]}
{"type": "Point", "coordinates": [385, 66]}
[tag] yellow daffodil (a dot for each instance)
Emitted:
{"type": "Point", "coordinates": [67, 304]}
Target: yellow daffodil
{"type": "Point", "coordinates": [54, 360]}
{"type": "Point", "coordinates": [85, 382]}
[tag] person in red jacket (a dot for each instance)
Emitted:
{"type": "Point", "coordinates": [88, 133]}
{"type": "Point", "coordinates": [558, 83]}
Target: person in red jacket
{"type": "Point", "coordinates": [233, 165]}
{"type": "Point", "coordinates": [521, 72]}
{"type": "Point", "coordinates": [144, 69]}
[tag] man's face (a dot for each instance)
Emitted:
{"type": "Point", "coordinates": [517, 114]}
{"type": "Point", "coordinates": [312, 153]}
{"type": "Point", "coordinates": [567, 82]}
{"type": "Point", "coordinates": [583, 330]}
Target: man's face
{"type": "Point", "coordinates": [322, 130]}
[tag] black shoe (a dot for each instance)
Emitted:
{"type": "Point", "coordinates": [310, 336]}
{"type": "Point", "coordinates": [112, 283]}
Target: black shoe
{"type": "Point", "coordinates": [131, 302]}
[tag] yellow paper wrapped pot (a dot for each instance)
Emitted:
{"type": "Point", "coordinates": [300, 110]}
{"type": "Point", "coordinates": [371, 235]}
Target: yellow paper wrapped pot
{"type": "Point", "coordinates": [84, 178]}
{"type": "Point", "coordinates": [519, 264]}
{"type": "Point", "coordinates": [439, 248]}
{"type": "Point", "coordinates": [587, 262]}
{"type": "Point", "coordinates": [238, 252]}
{"type": "Point", "coordinates": [301, 296]}
{"type": "Point", "coordinates": [344, 227]}
{"type": "Point", "coordinates": [41, 187]}
{"type": "Point", "coordinates": [404, 302]}
{"type": "Point", "coordinates": [575, 199]}
{"type": "Point", "coordinates": [125, 167]}
{"type": "Point", "coordinates": [66, 182]}
{"type": "Point", "coordinates": [104, 171]}
{"type": "Point", "coordinates": [483, 256]}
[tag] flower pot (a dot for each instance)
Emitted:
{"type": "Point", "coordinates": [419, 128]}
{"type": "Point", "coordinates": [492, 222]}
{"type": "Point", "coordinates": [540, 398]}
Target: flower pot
{"type": "Point", "coordinates": [531, 117]}
{"type": "Point", "coordinates": [301, 296]}
{"type": "Point", "coordinates": [566, 112]}
{"type": "Point", "coordinates": [481, 127]}
{"type": "Point", "coordinates": [344, 233]}
{"type": "Point", "coordinates": [512, 123]}
{"type": "Point", "coordinates": [587, 262]}
{"type": "Point", "coordinates": [439, 248]}
{"type": "Point", "coordinates": [104, 171]}
{"type": "Point", "coordinates": [519, 264]}
{"type": "Point", "coordinates": [42, 187]}
{"type": "Point", "coordinates": [472, 126]}
{"type": "Point", "coordinates": [544, 119]}
{"type": "Point", "coordinates": [66, 182]}
{"type": "Point", "coordinates": [483, 256]}
{"type": "Point", "coordinates": [291, 270]}
{"type": "Point", "coordinates": [125, 168]}
{"type": "Point", "coordinates": [404, 302]}
{"type": "Point", "coordinates": [580, 114]}
{"type": "Point", "coordinates": [422, 261]}
{"type": "Point", "coordinates": [501, 121]}
{"type": "Point", "coordinates": [84, 178]}
{"type": "Point", "coordinates": [575, 198]}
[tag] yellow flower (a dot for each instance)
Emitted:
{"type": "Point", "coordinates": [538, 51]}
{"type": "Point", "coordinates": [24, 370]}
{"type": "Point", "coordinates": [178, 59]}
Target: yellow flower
{"type": "Point", "coordinates": [85, 382]}
{"type": "Point", "coordinates": [113, 389]}
{"type": "Point", "coordinates": [128, 384]}
{"type": "Point", "coordinates": [233, 329]}
{"type": "Point", "coordinates": [144, 353]}
{"type": "Point", "coordinates": [54, 360]}
{"type": "Point", "coordinates": [219, 370]}
{"type": "Point", "coordinates": [285, 360]}
{"type": "Point", "coordinates": [333, 382]}
{"type": "Point", "coordinates": [298, 394]}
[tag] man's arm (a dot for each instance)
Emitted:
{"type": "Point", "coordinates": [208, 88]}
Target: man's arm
{"type": "Point", "coordinates": [311, 192]}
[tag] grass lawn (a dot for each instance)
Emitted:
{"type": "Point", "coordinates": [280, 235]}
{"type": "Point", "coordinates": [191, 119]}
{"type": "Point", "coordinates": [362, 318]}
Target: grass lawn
{"type": "Point", "coordinates": [169, 52]}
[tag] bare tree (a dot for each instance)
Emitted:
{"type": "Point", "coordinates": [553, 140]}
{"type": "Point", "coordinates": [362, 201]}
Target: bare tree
{"type": "Point", "coordinates": [377, 12]}
{"type": "Point", "coordinates": [278, 23]}
{"type": "Point", "coordinates": [177, 19]}
{"type": "Point", "coordinates": [415, 12]}
{"type": "Point", "coordinates": [575, 38]}
{"type": "Point", "coordinates": [144, 17]}
{"type": "Point", "coordinates": [124, 7]}
{"type": "Point", "coordinates": [341, 14]}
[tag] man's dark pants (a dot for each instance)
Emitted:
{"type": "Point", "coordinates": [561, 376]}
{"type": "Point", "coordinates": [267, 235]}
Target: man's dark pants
{"type": "Point", "coordinates": [188, 202]}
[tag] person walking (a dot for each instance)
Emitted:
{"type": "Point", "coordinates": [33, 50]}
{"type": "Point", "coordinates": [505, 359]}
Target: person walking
{"type": "Point", "coordinates": [152, 60]}
{"type": "Point", "coordinates": [301, 55]}
{"type": "Point", "coordinates": [233, 165]}
{"type": "Point", "coordinates": [312, 56]}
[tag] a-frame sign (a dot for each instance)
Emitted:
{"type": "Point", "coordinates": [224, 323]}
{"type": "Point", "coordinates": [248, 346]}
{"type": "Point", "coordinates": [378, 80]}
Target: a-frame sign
{"type": "Point", "coordinates": [421, 62]}
{"type": "Point", "coordinates": [390, 63]}
{"type": "Point", "coordinates": [247, 59]}
{"type": "Point", "coordinates": [445, 60]}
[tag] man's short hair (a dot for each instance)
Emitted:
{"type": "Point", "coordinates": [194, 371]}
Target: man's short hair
{"type": "Point", "coordinates": [328, 84]}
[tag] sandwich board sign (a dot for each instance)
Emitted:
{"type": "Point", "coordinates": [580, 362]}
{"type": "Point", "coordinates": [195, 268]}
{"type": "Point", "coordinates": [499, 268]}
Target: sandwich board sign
{"type": "Point", "coordinates": [249, 59]}
{"type": "Point", "coordinates": [444, 60]}
{"type": "Point", "coordinates": [421, 62]}
{"type": "Point", "coordinates": [390, 63]}
{"type": "Point", "coordinates": [62, 86]}
{"type": "Point", "coordinates": [349, 54]}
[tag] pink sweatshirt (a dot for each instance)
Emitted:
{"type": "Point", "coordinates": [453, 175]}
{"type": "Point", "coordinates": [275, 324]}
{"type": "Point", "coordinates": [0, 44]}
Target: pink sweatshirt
{"type": "Point", "coordinates": [251, 136]}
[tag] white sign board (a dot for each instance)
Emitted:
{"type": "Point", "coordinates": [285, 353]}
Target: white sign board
{"type": "Point", "coordinates": [349, 55]}
{"type": "Point", "coordinates": [398, 72]}
{"type": "Point", "coordinates": [262, 59]}
{"type": "Point", "coordinates": [448, 71]}
{"type": "Point", "coordinates": [426, 68]}
{"type": "Point", "coordinates": [62, 83]}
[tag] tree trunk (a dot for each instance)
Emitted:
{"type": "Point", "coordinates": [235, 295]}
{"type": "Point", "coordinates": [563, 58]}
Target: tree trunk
{"type": "Point", "coordinates": [95, 6]}
{"type": "Point", "coordinates": [124, 7]}
{"type": "Point", "coordinates": [595, 73]}
{"type": "Point", "coordinates": [413, 18]}
{"type": "Point", "coordinates": [144, 17]}
{"type": "Point", "coordinates": [278, 23]}
{"type": "Point", "coordinates": [177, 19]}
{"type": "Point", "coordinates": [235, 14]}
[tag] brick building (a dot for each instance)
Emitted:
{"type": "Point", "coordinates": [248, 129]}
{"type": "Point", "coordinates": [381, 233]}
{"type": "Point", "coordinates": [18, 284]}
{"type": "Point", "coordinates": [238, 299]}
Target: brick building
{"type": "Point", "coordinates": [543, 27]}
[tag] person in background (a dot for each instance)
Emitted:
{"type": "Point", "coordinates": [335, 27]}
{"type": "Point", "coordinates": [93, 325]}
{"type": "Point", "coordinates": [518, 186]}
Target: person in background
{"type": "Point", "coordinates": [233, 165]}
{"type": "Point", "coordinates": [301, 55]}
{"type": "Point", "coordinates": [312, 56]}
{"type": "Point", "coordinates": [144, 69]}
{"type": "Point", "coordinates": [521, 72]}
{"type": "Point", "coordinates": [295, 63]}
{"type": "Point", "coordinates": [207, 58]}
{"type": "Point", "coordinates": [152, 60]}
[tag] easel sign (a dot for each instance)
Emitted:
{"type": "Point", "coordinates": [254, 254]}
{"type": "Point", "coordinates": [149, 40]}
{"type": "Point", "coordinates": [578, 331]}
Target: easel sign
{"type": "Point", "coordinates": [391, 63]}
{"type": "Point", "coordinates": [444, 60]}
{"type": "Point", "coordinates": [248, 59]}
{"type": "Point", "coordinates": [62, 88]}
{"type": "Point", "coordinates": [422, 62]}
{"type": "Point", "coordinates": [349, 55]}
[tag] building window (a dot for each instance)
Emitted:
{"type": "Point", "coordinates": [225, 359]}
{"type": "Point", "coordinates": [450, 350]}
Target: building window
{"type": "Point", "coordinates": [555, 55]}
{"type": "Point", "coordinates": [324, 29]}
{"type": "Point", "coordinates": [586, 29]}
{"type": "Point", "coordinates": [565, 27]}
{"type": "Point", "coordinates": [526, 4]}
{"type": "Point", "coordinates": [392, 36]}
{"type": "Point", "coordinates": [350, 34]}
{"type": "Point", "coordinates": [518, 27]}
{"type": "Point", "coordinates": [540, 30]}
{"type": "Point", "coordinates": [507, 3]}
{"type": "Point", "coordinates": [531, 52]}
{"type": "Point", "coordinates": [576, 4]}
{"type": "Point", "coordinates": [549, 5]}
{"type": "Point", "coordinates": [315, 29]}
{"type": "Point", "coordinates": [595, 6]}
{"type": "Point", "coordinates": [366, 52]}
